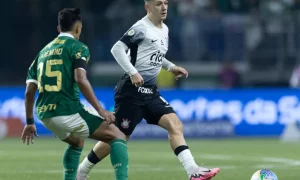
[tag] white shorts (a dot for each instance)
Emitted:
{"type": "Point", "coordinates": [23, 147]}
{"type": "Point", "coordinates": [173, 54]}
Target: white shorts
{"type": "Point", "coordinates": [82, 124]}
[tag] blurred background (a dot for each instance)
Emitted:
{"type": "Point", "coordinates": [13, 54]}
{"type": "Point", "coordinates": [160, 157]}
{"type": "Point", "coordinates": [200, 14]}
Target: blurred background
{"type": "Point", "coordinates": [223, 43]}
{"type": "Point", "coordinates": [242, 57]}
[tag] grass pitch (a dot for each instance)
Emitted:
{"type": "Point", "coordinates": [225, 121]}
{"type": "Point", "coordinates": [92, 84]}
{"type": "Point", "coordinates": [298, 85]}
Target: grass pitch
{"type": "Point", "coordinates": [154, 160]}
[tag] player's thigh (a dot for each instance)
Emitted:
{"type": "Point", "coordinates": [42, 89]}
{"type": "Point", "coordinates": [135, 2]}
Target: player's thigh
{"type": "Point", "coordinates": [157, 109]}
{"type": "Point", "coordinates": [98, 129]}
{"type": "Point", "coordinates": [107, 133]}
{"type": "Point", "coordinates": [128, 116]}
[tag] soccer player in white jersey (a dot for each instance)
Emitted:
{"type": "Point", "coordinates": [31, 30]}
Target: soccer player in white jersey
{"type": "Point", "coordinates": [136, 94]}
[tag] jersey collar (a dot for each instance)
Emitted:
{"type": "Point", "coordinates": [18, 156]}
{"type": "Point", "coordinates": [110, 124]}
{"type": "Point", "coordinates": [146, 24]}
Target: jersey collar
{"type": "Point", "coordinates": [66, 34]}
{"type": "Point", "coordinates": [151, 24]}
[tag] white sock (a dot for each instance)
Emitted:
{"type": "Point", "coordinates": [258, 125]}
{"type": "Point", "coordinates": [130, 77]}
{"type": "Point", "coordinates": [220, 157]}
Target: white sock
{"type": "Point", "coordinates": [187, 160]}
{"type": "Point", "coordinates": [85, 167]}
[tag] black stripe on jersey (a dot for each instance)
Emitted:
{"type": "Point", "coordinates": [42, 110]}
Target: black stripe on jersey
{"type": "Point", "coordinates": [133, 54]}
{"type": "Point", "coordinates": [79, 63]}
{"type": "Point", "coordinates": [134, 36]}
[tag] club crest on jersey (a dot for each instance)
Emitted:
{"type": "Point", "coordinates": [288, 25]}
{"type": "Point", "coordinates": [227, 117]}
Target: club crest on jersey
{"type": "Point", "coordinates": [125, 123]}
{"type": "Point", "coordinates": [131, 32]}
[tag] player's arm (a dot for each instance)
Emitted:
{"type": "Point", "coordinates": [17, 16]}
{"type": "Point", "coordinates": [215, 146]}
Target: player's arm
{"type": "Point", "coordinates": [119, 53]}
{"type": "Point", "coordinates": [31, 87]}
{"type": "Point", "coordinates": [131, 39]}
{"type": "Point", "coordinates": [86, 88]}
{"type": "Point", "coordinates": [176, 70]}
{"type": "Point", "coordinates": [80, 64]}
{"type": "Point", "coordinates": [167, 65]}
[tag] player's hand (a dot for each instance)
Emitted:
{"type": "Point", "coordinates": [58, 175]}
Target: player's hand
{"type": "Point", "coordinates": [137, 80]}
{"type": "Point", "coordinates": [28, 134]}
{"type": "Point", "coordinates": [179, 72]}
{"type": "Point", "coordinates": [109, 117]}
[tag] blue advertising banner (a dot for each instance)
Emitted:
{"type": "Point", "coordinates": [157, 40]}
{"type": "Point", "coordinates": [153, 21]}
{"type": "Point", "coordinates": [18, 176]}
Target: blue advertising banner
{"type": "Point", "coordinates": [204, 113]}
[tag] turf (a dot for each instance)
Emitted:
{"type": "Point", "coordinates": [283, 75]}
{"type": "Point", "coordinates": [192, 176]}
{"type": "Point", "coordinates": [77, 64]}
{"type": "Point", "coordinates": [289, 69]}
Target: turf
{"type": "Point", "coordinates": [153, 160]}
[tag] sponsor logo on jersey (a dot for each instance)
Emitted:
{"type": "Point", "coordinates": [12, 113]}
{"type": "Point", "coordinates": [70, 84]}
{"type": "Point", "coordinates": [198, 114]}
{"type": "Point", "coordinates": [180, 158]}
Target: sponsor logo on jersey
{"type": "Point", "coordinates": [144, 90]}
{"type": "Point", "coordinates": [78, 55]}
{"type": "Point", "coordinates": [46, 108]}
{"type": "Point", "coordinates": [156, 59]}
{"type": "Point", "coordinates": [125, 123]}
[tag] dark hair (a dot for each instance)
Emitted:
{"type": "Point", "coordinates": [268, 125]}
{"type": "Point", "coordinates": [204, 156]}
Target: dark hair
{"type": "Point", "coordinates": [67, 17]}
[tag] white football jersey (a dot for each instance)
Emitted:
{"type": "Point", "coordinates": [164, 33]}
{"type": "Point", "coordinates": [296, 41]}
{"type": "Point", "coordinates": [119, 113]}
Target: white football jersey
{"type": "Point", "coordinates": [148, 46]}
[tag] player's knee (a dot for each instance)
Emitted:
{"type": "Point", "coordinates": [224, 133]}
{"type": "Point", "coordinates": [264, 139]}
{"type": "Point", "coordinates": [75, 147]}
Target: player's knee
{"type": "Point", "coordinates": [120, 135]}
{"type": "Point", "coordinates": [75, 141]}
{"type": "Point", "coordinates": [78, 143]}
{"type": "Point", "coordinates": [175, 126]}
{"type": "Point", "coordinates": [117, 134]}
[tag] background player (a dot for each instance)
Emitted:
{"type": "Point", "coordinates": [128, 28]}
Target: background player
{"type": "Point", "coordinates": [58, 72]}
{"type": "Point", "coordinates": [136, 94]}
{"type": "Point", "coordinates": [295, 78]}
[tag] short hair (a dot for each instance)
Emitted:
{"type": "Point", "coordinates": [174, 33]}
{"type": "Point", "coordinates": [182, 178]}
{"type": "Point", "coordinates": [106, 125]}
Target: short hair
{"type": "Point", "coordinates": [147, 1]}
{"type": "Point", "coordinates": [67, 18]}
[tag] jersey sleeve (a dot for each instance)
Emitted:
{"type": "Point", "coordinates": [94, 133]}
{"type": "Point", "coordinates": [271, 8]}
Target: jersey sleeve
{"type": "Point", "coordinates": [32, 72]}
{"type": "Point", "coordinates": [81, 55]}
{"type": "Point", "coordinates": [134, 35]}
{"type": "Point", "coordinates": [167, 65]}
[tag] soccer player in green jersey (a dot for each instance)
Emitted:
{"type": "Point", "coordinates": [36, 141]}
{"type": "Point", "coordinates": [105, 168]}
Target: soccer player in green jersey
{"type": "Point", "coordinates": [59, 73]}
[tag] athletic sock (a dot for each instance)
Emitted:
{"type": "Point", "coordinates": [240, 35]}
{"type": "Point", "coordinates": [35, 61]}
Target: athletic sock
{"type": "Point", "coordinates": [187, 160]}
{"type": "Point", "coordinates": [88, 163]}
{"type": "Point", "coordinates": [119, 159]}
{"type": "Point", "coordinates": [70, 161]}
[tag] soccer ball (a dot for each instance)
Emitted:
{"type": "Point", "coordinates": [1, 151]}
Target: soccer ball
{"type": "Point", "coordinates": [264, 174]}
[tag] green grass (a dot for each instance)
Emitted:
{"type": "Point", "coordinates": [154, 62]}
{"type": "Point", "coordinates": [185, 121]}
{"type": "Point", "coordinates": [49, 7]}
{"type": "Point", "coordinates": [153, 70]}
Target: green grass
{"type": "Point", "coordinates": [153, 160]}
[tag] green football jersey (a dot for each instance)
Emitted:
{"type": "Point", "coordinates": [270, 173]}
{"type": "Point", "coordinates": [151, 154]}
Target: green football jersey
{"type": "Point", "coordinates": [53, 72]}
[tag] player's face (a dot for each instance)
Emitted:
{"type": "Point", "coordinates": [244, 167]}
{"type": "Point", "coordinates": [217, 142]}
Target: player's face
{"type": "Point", "coordinates": [159, 8]}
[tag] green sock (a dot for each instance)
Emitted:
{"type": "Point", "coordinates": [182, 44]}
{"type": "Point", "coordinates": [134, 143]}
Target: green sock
{"type": "Point", "coordinates": [119, 158]}
{"type": "Point", "coordinates": [71, 161]}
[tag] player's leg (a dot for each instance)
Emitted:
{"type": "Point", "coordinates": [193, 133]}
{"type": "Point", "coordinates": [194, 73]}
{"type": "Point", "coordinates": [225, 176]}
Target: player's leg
{"type": "Point", "coordinates": [111, 135]}
{"type": "Point", "coordinates": [161, 113]}
{"type": "Point", "coordinates": [127, 117]}
{"type": "Point", "coordinates": [99, 152]}
{"type": "Point", "coordinates": [173, 125]}
{"type": "Point", "coordinates": [61, 127]}
{"type": "Point", "coordinates": [71, 156]}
